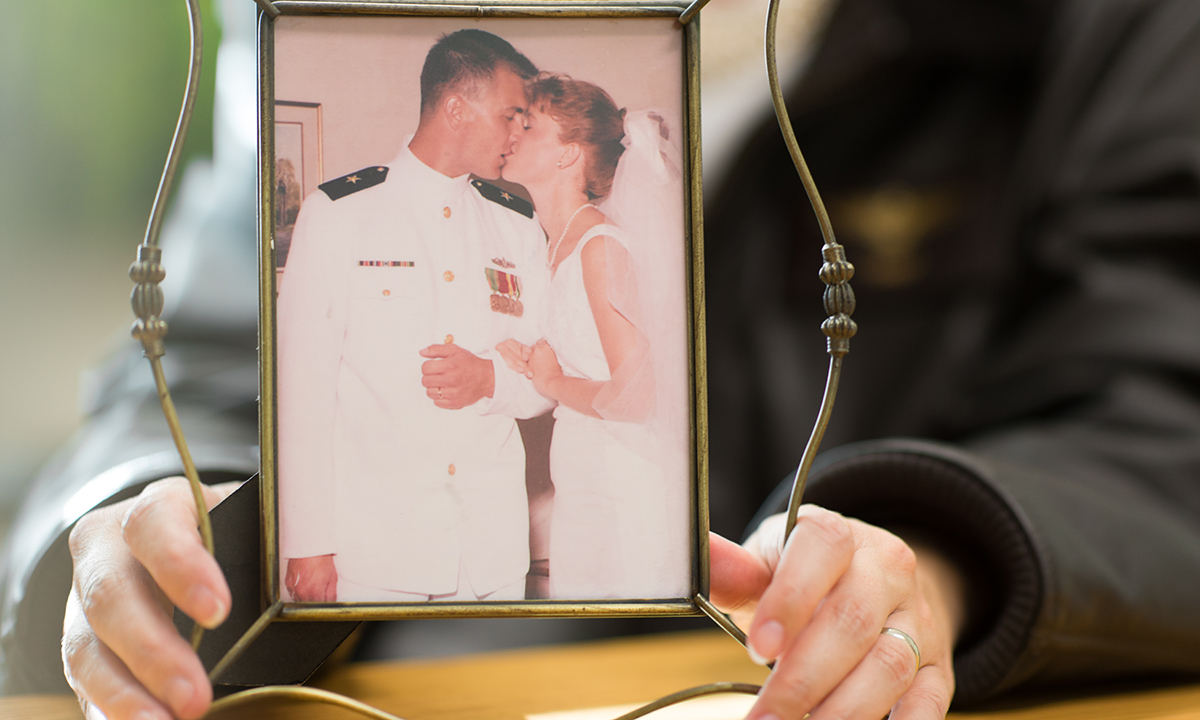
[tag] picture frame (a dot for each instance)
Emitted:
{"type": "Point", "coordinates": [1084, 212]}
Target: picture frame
{"type": "Point", "coordinates": [359, 65]}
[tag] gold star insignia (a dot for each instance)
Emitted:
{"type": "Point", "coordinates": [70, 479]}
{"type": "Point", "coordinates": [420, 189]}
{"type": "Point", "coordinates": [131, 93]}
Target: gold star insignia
{"type": "Point", "coordinates": [352, 179]}
{"type": "Point", "coordinates": [506, 196]}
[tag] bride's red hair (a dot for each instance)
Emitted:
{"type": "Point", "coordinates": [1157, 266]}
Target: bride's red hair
{"type": "Point", "coordinates": [588, 116]}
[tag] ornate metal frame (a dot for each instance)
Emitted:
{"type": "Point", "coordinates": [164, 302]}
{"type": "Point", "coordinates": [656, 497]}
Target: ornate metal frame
{"type": "Point", "coordinates": [150, 329]}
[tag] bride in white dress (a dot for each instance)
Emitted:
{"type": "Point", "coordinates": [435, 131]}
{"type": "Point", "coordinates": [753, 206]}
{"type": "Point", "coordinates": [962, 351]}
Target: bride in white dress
{"type": "Point", "coordinates": [608, 193]}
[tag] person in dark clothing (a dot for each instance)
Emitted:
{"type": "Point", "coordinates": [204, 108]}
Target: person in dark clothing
{"type": "Point", "coordinates": [1019, 186]}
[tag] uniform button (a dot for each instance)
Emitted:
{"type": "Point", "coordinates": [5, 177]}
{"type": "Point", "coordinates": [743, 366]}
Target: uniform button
{"type": "Point", "coordinates": [450, 469]}
{"type": "Point", "coordinates": [449, 339]}
{"type": "Point", "coordinates": [387, 292]}
{"type": "Point", "coordinates": [448, 276]}
{"type": "Point", "coordinates": [446, 212]}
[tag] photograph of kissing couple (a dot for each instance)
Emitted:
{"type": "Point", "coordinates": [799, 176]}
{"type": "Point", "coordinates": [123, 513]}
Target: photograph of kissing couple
{"type": "Point", "coordinates": [482, 343]}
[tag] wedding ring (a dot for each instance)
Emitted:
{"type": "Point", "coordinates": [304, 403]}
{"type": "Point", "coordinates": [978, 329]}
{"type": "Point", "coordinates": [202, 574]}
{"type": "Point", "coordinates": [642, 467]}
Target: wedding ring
{"type": "Point", "coordinates": [912, 644]}
{"type": "Point", "coordinates": [442, 398]}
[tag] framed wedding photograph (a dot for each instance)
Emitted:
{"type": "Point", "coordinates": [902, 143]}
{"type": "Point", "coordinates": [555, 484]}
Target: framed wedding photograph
{"type": "Point", "coordinates": [482, 345]}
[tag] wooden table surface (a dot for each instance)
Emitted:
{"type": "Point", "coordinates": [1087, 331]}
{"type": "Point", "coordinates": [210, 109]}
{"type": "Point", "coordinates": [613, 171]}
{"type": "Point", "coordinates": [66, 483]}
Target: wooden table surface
{"type": "Point", "coordinates": [510, 685]}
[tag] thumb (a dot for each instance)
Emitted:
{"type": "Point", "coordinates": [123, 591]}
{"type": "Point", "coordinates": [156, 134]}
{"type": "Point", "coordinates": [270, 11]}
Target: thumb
{"type": "Point", "coordinates": [739, 577]}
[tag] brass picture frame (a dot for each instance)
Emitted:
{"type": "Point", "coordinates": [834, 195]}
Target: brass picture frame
{"type": "Point", "coordinates": [571, 24]}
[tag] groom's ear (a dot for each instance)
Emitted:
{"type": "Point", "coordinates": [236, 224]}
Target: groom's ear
{"type": "Point", "coordinates": [454, 110]}
{"type": "Point", "coordinates": [570, 155]}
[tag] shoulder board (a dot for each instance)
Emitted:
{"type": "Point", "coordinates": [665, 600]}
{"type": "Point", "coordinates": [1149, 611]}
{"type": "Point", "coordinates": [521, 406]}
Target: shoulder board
{"type": "Point", "coordinates": [355, 181]}
{"type": "Point", "coordinates": [503, 197]}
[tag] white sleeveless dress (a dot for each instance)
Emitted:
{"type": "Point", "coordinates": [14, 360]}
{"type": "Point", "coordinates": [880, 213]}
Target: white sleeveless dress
{"type": "Point", "coordinates": [609, 530]}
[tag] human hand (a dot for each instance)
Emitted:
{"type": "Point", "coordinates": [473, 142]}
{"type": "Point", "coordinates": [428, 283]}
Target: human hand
{"type": "Point", "coordinates": [133, 560]}
{"type": "Point", "coordinates": [311, 579]}
{"type": "Point", "coordinates": [546, 370]}
{"type": "Point", "coordinates": [818, 610]}
{"type": "Point", "coordinates": [516, 356]}
{"type": "Point", "coordinates": [455, 378]}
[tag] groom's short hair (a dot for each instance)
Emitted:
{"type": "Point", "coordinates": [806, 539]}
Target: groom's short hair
{"type": "Point", "coordinates": [465, 61]}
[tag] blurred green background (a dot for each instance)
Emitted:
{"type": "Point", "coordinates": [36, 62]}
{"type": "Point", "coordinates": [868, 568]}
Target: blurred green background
{"type": "Point", "coordinates": [89, 96]}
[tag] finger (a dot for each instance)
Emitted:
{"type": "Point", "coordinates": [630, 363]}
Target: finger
{"type": "Point", "coordinates": [436, 372]}
{"type": "Point", "coordinates": [98, 677]}
{"type": "Point", "coordinates": [513, 361]}
{"type": "Point", "coordinates": [820, 657]}
{"type": "Point", "coordinates": [815, 558]}
{"type": "Point", "coordinates": [160, 530]}
{"type": "Point", "coordinates": [122, 606]}
{"type": "Point", "coordinates": [442, 400]}
{"type": "Point", "coordinates": [439, 351]}
{"type": "Point", "coordinates": [929, 696]}
{"type": "Point", "coordinates": [443, 397]}
{"type": "Point", "coordinates": [739, 577]}
{"type": "Point", "coordinates": [443, 374]}
{"type": "Point", "coordinates": [842, 631]}
{"type": "Point", "coordinates": [877, 682]}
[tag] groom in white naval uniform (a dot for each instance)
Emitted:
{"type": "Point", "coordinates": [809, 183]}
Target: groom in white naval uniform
{"type": "Point", "coordinates": [401, 469]}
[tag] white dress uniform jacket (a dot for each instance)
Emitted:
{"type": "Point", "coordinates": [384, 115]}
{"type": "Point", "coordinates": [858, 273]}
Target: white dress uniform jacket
{"type": "Point", "coordinates": [401, 491]}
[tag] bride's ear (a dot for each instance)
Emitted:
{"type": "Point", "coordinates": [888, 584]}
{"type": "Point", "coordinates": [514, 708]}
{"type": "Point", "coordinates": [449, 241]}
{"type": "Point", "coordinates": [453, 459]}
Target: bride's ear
{"type": "Point", "coordinates": [570, 155]}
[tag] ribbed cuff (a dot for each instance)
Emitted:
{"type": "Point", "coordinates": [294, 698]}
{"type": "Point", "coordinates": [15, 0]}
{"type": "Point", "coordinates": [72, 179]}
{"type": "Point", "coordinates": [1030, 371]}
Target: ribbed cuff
{"type": "Point", "coordinates": [951, 497]}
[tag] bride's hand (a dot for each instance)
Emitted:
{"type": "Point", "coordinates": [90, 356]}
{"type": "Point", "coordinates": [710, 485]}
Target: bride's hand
{"type": "Point", "coordinates": [516, 356]}
{"type": "Point", "coordinates": [546, 370]}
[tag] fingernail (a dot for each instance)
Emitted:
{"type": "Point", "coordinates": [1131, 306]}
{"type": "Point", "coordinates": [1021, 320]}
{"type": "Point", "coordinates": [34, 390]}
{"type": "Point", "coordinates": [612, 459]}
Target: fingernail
{"type": "Point", "coordinates": [179, 695]}
{"type": "Point", "coordinates": [755, 657]}
{"type": "Point", "coordinates": [767, 642]}
{"type": "Point", "coordinates": [210, 611]}
{"type": "Point", "coordinates": [151, 715]}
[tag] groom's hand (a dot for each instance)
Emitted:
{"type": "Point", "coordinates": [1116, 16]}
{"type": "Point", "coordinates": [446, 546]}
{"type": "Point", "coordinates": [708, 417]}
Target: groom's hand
{"type": "Point", "coordinates": [455, 378]}
{"type": "Point", "coordinates": [312, 579]}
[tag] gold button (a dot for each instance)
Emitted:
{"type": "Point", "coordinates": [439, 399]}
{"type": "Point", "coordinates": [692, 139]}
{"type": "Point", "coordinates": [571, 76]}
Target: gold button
{"type": "Point", "coordinates": [446, 212]}
{"type": "Point", "coordinates": [387, 292]}
{"type": "Point", "coordinates": [450, 469]}
{"type": "Point", "coordinates": [449, 339]}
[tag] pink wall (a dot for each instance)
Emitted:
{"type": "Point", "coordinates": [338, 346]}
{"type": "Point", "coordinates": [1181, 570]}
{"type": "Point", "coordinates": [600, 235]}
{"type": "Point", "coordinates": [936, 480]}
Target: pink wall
{"type": "Point", "coordinates": [365, 70]}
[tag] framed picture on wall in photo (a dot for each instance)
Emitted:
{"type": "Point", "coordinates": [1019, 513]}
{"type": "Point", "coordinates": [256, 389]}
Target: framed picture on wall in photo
{"type": "Point", "coordinates": [480, 370]}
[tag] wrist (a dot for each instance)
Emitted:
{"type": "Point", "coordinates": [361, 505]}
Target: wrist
{"type": "Point", "coordinates": [489, 379]}
{"type": "Point", "coordinates": [553, 386]}
{"type": "Point", "coordinates": [944, 587]}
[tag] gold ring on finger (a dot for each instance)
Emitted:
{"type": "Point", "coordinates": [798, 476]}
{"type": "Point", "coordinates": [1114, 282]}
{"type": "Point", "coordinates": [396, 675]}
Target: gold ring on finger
{"type": "Point", "coordinates": [912, 644]}
{"type": "Point", "coordinates": [440, 394]}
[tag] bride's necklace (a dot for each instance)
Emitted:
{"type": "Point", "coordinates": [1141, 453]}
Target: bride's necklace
{"type": "Point", "coordinates": [554, 250]}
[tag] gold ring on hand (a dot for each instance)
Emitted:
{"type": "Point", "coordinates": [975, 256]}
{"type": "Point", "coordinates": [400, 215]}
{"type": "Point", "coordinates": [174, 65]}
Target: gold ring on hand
{"type": "Point", "coordinates": [440, 394]}
{"type": "Point", "coordinates": [912, 644]}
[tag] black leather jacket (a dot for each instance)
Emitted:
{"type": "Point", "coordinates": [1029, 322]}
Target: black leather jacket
{"type": "Point", "coordinates": [1019, 184]}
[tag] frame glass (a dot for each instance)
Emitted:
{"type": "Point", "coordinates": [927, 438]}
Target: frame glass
{"type": "Point", "coordinates": [418, 442]}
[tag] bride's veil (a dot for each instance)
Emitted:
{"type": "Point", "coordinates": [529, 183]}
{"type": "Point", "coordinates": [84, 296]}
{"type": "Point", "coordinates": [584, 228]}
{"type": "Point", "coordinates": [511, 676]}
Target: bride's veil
{"type": "Point", "coordinates": [647, 286]}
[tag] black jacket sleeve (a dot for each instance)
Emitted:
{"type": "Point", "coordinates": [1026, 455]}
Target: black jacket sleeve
{"type": "Point", "coordinates": [1067, 480]}
{"type": "Point", "coordinates": [124, 446]}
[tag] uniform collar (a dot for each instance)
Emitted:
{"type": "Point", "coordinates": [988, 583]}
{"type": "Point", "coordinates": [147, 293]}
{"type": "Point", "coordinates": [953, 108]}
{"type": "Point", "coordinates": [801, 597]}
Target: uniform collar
{"type": "Point", "coordinates": [423, 182]}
